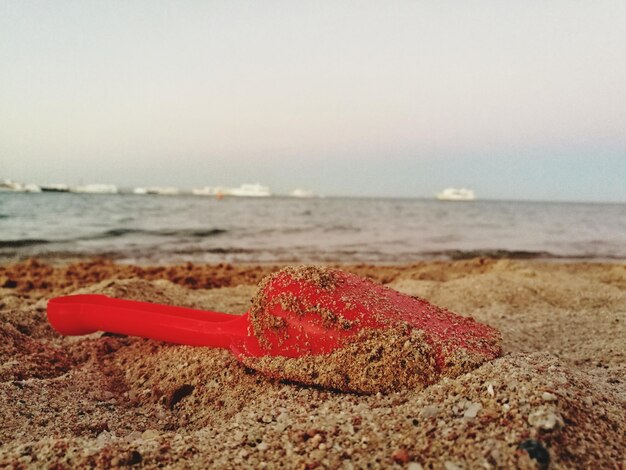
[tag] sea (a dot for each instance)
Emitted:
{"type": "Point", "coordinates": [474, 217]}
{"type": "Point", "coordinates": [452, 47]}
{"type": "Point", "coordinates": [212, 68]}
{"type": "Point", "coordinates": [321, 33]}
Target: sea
{"type": "Point", "coordinates": [156, 229]}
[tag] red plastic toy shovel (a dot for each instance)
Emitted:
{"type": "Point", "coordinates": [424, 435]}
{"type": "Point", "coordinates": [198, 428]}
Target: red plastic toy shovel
{"type": "Point", "coordinates": [297, 312]}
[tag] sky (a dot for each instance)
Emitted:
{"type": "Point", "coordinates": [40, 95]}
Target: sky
{"type": "Point", "coordinates": [516, 100]}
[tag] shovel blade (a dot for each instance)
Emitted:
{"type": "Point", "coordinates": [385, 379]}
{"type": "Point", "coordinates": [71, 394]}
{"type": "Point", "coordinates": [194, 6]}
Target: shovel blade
{"type": "Point", "coordinates": [310, 310]}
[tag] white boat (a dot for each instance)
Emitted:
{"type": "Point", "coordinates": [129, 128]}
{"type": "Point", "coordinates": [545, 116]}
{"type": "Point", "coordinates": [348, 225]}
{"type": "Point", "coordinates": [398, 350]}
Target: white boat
{"type": "Point", "coordinates": [250, 190]}
{"type": "Point", "coordinates": [96, 189]}
{"type": "Point", "coordinates": [301, 193]}
{"type": "Point", "coordinates": [14, 186]}
{"type": "Point", "coordinates": [456, 194]}
{"type": "Point", "coordinates": [30, 188]}
{"type": "Point", "coordinates": [162, 190]}
{"type": "Point", "coordinates": [206, 191]}
{"type": "Point", "coordinates": [10, 185]}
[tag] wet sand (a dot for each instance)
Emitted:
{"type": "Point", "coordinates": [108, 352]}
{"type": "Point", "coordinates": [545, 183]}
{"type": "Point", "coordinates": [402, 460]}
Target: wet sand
{"type": "Point", "coordinates": [556, 399]}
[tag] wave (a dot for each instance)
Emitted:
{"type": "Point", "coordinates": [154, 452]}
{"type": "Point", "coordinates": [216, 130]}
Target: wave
{"type": "Point", "coordinates": [23, 242]}
{"type": "Point", "coordinates": [217, 250]}
{"type": "Point", "coordinates": [181, 233]}
{"type": "Point", "coordinates": [207, 233]}
{"type": "Point", "coordinates": [115, 233]}
{"type": "Point", "coordinates": [494, 254]}
{"type": "Point", "coordinates": [341, 228]}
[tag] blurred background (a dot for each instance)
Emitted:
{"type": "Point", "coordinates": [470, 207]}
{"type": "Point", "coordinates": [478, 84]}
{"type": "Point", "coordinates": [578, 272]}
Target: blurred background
{"type": "Point", "coordinates": [320, 131]}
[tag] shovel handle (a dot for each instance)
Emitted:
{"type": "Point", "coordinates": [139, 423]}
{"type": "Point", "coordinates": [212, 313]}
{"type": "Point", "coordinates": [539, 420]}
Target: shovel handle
{"type": "Point", "coordinates": [88, 313]}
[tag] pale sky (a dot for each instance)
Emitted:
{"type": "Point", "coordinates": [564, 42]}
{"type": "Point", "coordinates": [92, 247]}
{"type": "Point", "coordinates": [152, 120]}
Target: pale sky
{"type": "Point", "coordinates": [517, 100]}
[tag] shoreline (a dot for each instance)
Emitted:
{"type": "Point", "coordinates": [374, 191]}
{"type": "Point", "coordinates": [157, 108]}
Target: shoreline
{"type": "Point", "coordinates": [102, 400]}
{"type": "Point", "coordinates": [59, 258]}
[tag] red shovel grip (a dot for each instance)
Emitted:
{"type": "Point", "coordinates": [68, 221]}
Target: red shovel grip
{"type": "Point", "coordinates": [84, 314]}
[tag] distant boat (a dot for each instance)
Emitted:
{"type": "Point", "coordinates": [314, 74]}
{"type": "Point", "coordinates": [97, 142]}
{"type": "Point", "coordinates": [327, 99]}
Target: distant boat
{"type": "Point", "coordinates": [30, 188]}
{"type": "Point", "coordinates": [162, 191]}
{"type": "Point", "coordinates": [96, 189]}
{"type": "Point", "coordinates": [250, 190]}
{"type": "Point", "coordinates": [206, 191]}
{"type": "Point", "coordinates": [14, 186]}
{"type": "Point", "coordinates": [301, 193]}
{"type": "Point", "coordinates": [456, 194]}
{"type": "Point", "coordinates": [56, 188]}
{"type": "Point", "coordinates": [218, 191]}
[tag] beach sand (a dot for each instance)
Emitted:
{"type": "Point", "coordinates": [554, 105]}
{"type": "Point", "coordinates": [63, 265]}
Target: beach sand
{"type": "Point", "coordinates": [555, 399]}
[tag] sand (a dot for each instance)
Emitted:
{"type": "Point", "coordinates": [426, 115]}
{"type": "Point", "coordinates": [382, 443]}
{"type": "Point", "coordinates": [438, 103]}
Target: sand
{"type": "Point", "coordinates": [555, 399]}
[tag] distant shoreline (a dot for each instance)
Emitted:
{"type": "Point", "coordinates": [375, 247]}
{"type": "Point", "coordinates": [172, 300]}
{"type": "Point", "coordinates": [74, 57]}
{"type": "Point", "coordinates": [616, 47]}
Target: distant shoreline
{"type": "Point", "coordinates": [187, 193]}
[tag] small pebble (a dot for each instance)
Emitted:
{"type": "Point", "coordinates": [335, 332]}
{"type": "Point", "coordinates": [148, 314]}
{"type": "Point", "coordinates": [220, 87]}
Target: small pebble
{"type": "Point", "coordinates": [429, 411]}
{"type": "Point", "coordinates": [414, 466]}
{"type": "Point", "coordinates": [104, 437]}
{"type": "Point", "coordinates": [472, 410]}
{"type": "Point", "coordinates": [400, 456]}
{"type": "Point", "coordinates": [150, 434]}
{"type": "Point", "coordinates": [315, 440]}
{"type": "Point", "coordinates": [133, 436]}
{"type": "Point", "coordinates": [543, 418]}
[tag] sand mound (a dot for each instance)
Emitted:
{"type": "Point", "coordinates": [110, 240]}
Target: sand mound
{"type": "Point", "coordinates": [579, 317]}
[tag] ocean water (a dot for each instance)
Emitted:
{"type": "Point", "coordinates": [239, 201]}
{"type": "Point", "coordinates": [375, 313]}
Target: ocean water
{"type": "Point", "coordinates": [164, 229]}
